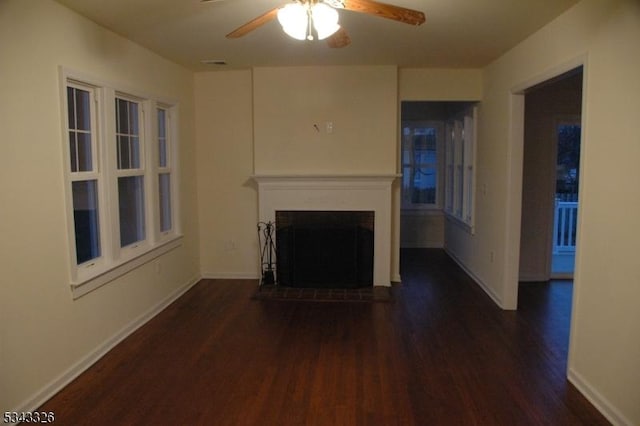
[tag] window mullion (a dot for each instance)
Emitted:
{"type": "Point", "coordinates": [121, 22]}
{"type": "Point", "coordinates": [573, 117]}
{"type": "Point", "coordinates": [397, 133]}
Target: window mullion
{"type": "Point", "coordinates": [110, 154]}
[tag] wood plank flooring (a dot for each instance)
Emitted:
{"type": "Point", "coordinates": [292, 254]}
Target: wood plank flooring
{"type": "Point", "coordinates": [441, 354]}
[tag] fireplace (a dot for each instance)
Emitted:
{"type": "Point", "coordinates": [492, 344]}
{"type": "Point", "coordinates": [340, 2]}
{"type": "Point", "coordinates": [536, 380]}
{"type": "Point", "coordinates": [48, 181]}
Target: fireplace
{"type": "Point", "coordinates": [334, 193]}
{"type": "Point", "coordinates": [325, 249]}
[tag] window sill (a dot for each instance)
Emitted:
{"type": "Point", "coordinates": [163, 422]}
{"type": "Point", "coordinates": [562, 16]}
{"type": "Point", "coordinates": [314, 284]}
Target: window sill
{"type": "Point", "coordinates": [110, 273]}
{"type": "Point", "coordinates": [469, 228]}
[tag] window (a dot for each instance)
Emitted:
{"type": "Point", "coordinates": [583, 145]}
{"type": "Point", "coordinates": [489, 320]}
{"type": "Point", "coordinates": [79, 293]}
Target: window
{"type": "Point", "coordinates": [83, 174]}
{"type": "Point", "coordinates": [130, 172]}
{"type": "Point", "coordinates": [459, 167]}
{"type": "Point", "coordinates": [121, 200]}
{"type": "Point", "coordinates": [421, 146]}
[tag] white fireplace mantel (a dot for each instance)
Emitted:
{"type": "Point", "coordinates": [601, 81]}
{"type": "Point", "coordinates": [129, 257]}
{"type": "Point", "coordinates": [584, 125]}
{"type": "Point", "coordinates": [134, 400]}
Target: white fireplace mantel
{"type": "Point", "coordinates": [335, 192]}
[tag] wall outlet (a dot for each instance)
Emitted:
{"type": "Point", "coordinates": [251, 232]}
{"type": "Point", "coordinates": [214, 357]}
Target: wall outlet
{"type": "Point", "coordinates": [329, 127]}
{"type": "Point", "coordinates": [492, 256]}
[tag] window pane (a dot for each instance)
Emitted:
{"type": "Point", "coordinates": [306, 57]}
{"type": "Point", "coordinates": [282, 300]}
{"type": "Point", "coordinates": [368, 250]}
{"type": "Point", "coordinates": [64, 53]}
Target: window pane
{"type": "Point", "coordinates": [79, 109]}
{"type": "Point", "coordinates": [83, 115]}
{"type": "Point", "coordinates": [162, 138]}
{"type": "Point", "coordinates": [163, 152]}
{"type": "Point", "coordinates": [133, 118]}
{"type": "Point", "coordinates": [86, 220]}
{"type": "Point", "coordinates": [124, 160]}
{"type": "Point", "coordinates": [134, 146]}
{"type": "Point", "coordinates": [122, 116]}
{"type": "Point", "coordinates": [424, 186]}
{"type": "Point", "coordinates": [80, 137]}
{"type": "Point", "coordinates": [73, 151]}
{"type": "Point", "coordinates": [420, 163]}
{"type": "Point", "coordinates": [131, 206]}
{"type": "Point", "coordinates": [161, 123]}
{"type": "Point", "coordinates": [164, 185]}
{"type": "Point", "coordinates": [424, 146]}
{"type": "Point", "coordinates": [71, 107]}
{"type": "Point", "coordinates": [128, 142]}
{"type": "Point", "coordinates": [85, 161]}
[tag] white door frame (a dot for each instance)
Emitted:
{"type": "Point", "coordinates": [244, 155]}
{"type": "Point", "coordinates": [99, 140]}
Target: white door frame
{"type": "Point", "coordinates": [515, 150]}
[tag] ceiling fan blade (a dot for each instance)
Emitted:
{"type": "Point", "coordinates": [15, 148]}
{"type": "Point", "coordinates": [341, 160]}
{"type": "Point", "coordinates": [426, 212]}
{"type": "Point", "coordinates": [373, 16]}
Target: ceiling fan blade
{"type": "Point", "coordinates": [396, 13]}
{"type": "Point", "coordinates": [254, 23]}
{"type": "Point", "coordinates": [339, 39]}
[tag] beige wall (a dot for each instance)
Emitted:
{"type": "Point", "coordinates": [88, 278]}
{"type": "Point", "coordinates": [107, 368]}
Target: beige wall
{"type": "Point", "coordinates": [361, 102]}
{"type": "Point", "coordinates": [545, 108]}
{"type": "Point", "coordinates": [45, 335]}
{"type": "Point", "coordinates": [605, 348]}
{"type": "Point", "coordinates": [228, 200]}
{"type": "Point", "coordinates": [605, 341]}
{"type": "Point", "coordinates": [440, 84]}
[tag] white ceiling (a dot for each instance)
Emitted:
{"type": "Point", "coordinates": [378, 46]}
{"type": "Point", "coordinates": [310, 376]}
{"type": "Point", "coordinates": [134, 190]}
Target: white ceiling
{"type": "Point", "coordinates": [457, 33]}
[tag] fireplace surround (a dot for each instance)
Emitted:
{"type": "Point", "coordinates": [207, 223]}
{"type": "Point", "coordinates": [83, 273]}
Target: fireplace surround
{"type": "Point", "coordinates": [334, 193]}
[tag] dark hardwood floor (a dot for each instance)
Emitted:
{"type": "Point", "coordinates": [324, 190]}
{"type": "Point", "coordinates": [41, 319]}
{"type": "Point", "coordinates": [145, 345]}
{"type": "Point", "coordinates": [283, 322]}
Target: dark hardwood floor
{"type": "Point", "coordinates": [441, 354]}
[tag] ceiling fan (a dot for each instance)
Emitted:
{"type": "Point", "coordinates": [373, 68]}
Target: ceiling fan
{"type": "Point", "coordinates": [309, 19]}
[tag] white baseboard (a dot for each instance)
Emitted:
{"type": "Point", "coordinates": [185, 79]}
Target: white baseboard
{"type": "Point", "coordinates": [497, 300]}
{"type": "Point", "coordinates": [230, 275]}
{"type": "Point", "coordinates": [57, 384]}
{"type": "Point", "coordinates": [601, 403]}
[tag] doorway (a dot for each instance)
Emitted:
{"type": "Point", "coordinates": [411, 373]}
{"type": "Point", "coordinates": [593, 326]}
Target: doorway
{"type": "Point", "coordinates": [550, 178]}
{"type": "Point", "coordinates": [424, 141]}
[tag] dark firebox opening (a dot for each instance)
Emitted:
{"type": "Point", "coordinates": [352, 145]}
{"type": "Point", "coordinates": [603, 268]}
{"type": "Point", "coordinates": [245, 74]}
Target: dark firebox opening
{"type": "Point", "coordinates": [325, 249]}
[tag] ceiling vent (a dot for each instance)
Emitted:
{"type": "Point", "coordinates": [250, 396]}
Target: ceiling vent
{"type": "Point", "coordinates": [213, 62]}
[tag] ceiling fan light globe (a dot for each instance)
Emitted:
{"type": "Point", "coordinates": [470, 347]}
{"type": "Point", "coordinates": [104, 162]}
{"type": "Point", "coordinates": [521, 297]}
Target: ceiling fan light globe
{"type": "Point", "coordinates": [325, 20]}
{"type": "Point", "coordinates": [294, 20]}
{"type": "Point", "coordinates": [327, 31]}
{"type": "Point", "coordinates": [295, 32]}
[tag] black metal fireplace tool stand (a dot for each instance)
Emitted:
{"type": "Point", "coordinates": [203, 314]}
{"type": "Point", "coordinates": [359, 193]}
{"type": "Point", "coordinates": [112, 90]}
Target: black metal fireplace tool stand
{"type": "Point", "coordinates": [267, 253]}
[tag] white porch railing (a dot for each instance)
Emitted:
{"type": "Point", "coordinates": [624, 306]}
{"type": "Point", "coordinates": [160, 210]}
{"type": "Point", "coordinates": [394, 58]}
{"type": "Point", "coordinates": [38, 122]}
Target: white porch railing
{"type": "Point", "coordinates": [564, 226]}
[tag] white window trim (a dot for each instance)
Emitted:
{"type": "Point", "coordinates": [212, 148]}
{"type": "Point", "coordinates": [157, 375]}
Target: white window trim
{"type": "Point", "coordinates": [440, 145]}
{"type": "Point", "coordinates": [116, 261]}
{"type": "Point", "coordinates": [461, 188]}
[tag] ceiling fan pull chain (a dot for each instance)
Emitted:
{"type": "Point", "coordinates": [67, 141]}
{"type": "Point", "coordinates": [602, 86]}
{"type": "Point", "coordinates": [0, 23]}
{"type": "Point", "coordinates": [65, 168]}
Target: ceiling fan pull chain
{"type": "Point", "coordinates": [309, 23]}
